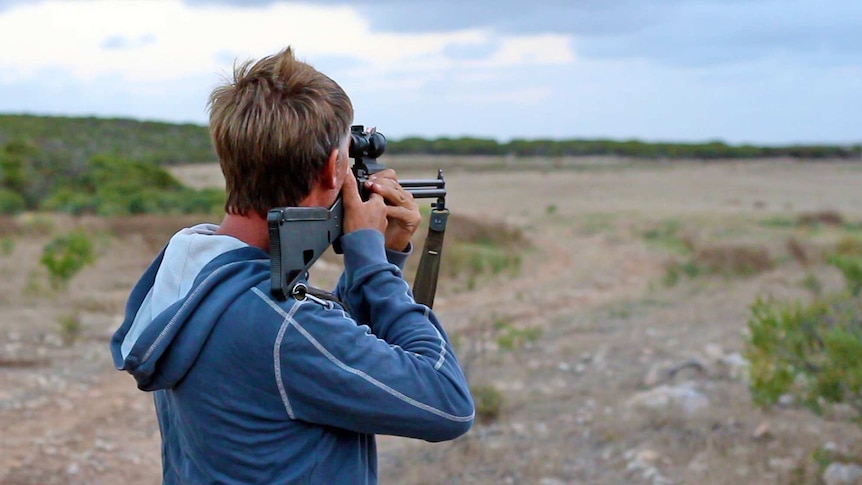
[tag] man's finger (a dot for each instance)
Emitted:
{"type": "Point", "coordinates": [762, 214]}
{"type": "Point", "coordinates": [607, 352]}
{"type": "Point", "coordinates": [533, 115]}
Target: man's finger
{"type": "Point", "coordinates": [375, 199]}
{"type": "Point", "coordinates": [350, 191]}
{"type": "Point", "coordinates": [392, 193]}
{"type": "Point", "coordinates": [405, 214]}
{"type": "Point", "coordinates": [386, 173]}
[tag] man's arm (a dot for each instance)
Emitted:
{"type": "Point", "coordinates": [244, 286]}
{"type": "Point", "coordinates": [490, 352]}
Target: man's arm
{"type": "Point", "coordinates": [388, 367]}
{"type": "Point", "coordinates": [402, 221]}
{"type": "Point", "coordinates": [397, 375]}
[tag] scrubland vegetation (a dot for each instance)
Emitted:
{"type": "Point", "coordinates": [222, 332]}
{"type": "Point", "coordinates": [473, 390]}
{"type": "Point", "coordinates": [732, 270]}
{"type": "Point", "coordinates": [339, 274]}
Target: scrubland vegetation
{"type": "Point", "coordinates": [655, 323]}
{"type": "Point", "coordinates": [808, 349]}
{"type": "Point", "coordinates": [105, 185]}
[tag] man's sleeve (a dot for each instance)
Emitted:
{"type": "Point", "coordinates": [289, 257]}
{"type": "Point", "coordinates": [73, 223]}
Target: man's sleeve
{"type": "Point", "coordinates": [353, 301]}
{"type": "Point", "coordinates": [395, 374]}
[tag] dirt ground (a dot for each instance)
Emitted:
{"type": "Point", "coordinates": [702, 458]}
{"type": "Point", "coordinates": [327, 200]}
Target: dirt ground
{"type": "Point", "coordinates": [614, 376]}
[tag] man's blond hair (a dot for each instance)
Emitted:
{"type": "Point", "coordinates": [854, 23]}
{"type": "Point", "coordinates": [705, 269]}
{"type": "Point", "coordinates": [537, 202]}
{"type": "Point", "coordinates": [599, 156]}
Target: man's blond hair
{"type": "Point", "coordinates": [273, 128]}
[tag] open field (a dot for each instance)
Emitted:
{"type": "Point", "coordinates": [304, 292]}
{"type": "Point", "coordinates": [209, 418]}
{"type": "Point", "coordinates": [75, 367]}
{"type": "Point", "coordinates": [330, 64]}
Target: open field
{"type": "Point", "coordinates": [610, 368]}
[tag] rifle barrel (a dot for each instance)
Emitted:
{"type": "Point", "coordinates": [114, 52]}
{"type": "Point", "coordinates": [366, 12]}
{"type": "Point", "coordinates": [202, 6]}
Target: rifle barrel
{"type": "Point", "coordinates": [427, 193]}
{"type": "Point", "coordinates": [422, 183]}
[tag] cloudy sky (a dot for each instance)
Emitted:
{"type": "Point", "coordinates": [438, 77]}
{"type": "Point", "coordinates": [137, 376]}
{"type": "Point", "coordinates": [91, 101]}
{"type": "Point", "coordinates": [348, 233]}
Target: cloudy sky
{"type": "Point", "coordinates": [762, 71]}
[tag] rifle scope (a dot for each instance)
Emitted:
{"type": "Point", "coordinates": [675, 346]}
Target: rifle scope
{"type": "Point", "coordinates": [367, 145]}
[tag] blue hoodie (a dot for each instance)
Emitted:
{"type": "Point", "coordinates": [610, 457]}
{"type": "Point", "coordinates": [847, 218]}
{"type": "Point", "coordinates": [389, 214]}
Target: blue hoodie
{"type": "Point", "coordinates": [249, 389]}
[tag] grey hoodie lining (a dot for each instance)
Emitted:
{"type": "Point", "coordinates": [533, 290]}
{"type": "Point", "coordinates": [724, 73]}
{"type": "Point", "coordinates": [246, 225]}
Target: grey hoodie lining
{"type": "Point", "coordinates": [187, 253]}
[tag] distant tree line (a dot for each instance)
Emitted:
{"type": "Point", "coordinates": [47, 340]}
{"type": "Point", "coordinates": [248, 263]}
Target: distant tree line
{"type": "Point", "coordinates": [631, 148]}
{"type": "Point", "coordinates": [76, 140]}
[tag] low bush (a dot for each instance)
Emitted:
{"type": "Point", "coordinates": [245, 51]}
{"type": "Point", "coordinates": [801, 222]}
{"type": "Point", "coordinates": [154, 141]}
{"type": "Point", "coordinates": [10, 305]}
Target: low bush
{"type": "Point", "coordinates": [668, 235]}
{"type": "Point", "coordinates": [11, 202]}
{"type": "Point", "coordinates": [64, 256]}
{"type": "Point", "coordinates": [826, 218]}
{"type": "Point", "coordinates": [734, 259]}
{"type": "Point", "coordinates": [70, 328]}
{"type": "Point", "coordinates": [809, 351]}
{"type": "Point", "coordinates": [797, 250]}
{"type": "Point", "coordinates": [465, 229]}
{"type": "Point", "coordinates": [110, 186]}
{"type": "Point", "coordinates": [510, 337]}
{"type": "Point", "coordinates": [477, 259]}
{"type": "Point", "coordinates": [729, 260]}
{"type": "Point", "coordinates": [849, 246]}
{"type": "Point", "coordinates": [488, 401]}
{"type": "Point", "coordinates": [851, 269]}
{"type": "Point", "coordinates": [476, 249]}
{"type": "Point", "coordinates": [104, 185]}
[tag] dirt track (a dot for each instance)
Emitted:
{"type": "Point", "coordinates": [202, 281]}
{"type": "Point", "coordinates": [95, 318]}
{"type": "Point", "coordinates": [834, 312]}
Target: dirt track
{"type": "Point", "coordinates": [591, 285]}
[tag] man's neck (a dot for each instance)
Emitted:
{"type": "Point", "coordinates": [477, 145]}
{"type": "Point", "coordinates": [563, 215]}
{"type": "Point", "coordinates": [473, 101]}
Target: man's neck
{"type": "Point", "coordinates": [250, 229]}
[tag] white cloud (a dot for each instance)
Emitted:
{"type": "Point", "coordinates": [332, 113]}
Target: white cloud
{"type": "Point", "coordinates": [547, 49]}
{"type": "Point", "coordinates": [515, 97]}
{"type": "Point", "coordinates": [182, 41]}
{"type": "Point", "coordinates": [159, 40]}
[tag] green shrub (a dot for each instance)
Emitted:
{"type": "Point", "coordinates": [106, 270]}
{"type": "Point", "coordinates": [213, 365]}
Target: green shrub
{"type": "Point", "coordinates": [851, 268]}
{"type": "Point", "coordinates": [488, 401]}
{"type": "Point", "coordinates": [812, 283]}
{"type": "Point", "coordinates": [64, 256]}
{"type": "Point", "coordinates": [729, 260]}
{"type": "Point", "coordinates": [477, 249]}
{"type": "Point", "coordinates": [112, 186]}
{"type": "Point", "coordinates": [11, 202]}
{"type": "Point", "coordinates": [13, 173]}
{"type": "Point", "coordinates": [70, 328]}
{"type": "Point", "coordinates": [204, 201]}
{"type": "Point", "coordinates": [511, 338]}
{"type": "Point", "coordinates": [734, 259]}
{"type": "Point", "coordinates": [70, 201]}
{"type": "Point", "coordinates": [849, 246]}
{"type": "Point", "coordinates": [35, 223]}
{"type": "Point", "coordinates": [7, 245]}
{"type": "Point", "coordinates": [825, 218]}
{"type": "Point", "coordinates": [808, 351]}
{"type": "Point", "coordinates": [668, 235]}
{"type": "Point", "coordinates": [121, 174]}
{"type": "Point", "coordinates": [478, 259]}
{"type": "Point", "coordinates": [675, 270]}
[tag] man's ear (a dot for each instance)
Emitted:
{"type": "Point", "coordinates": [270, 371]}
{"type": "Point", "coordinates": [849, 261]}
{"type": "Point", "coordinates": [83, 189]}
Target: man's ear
{"type": "Point", "coordinates": [328, 174]}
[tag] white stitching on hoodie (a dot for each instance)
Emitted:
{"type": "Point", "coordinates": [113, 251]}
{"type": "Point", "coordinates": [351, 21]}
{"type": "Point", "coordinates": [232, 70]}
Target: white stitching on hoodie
{"type": "Point", "coordinates": [277, 361]}
{"type": "Point", "coordinates": [357, 372]}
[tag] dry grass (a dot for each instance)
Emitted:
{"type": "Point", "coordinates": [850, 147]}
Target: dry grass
{"type": "Point", "coordinates": [9, 226]}
{"type": "Point", "coordinates": [472, 230]}
{"type": "Point", "coordinates": [849, 246]}
{"type": "Point", "coordinates": [797, 250]}
{"type": "Point", "coordinates": [825, 217]}
{"type": "Point", "coordinates": [474, 250]}
{"type": "Point", "coordinates": [155, 230]}
{"type": "Point", "coordinates": [734, 259]}
{"type": "Point", "coordinates": [23, 362]}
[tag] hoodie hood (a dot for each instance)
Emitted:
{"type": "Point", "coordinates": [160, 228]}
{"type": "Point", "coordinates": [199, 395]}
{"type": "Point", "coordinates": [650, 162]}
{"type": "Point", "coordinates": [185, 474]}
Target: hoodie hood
{"type": "Point", "coordinates": [155, 343]}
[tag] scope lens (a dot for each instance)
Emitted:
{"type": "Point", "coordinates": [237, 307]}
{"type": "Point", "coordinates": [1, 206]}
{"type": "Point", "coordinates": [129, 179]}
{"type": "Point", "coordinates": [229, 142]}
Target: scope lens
{"type": "Point", "coordinates": [366, 145]}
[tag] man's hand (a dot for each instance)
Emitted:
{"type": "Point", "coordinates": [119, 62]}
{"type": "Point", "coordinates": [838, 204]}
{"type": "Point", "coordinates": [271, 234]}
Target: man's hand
{"type": "Point", "coordinates": [370, 214]}
{"type": "Point", "coordinates": [401, 210]}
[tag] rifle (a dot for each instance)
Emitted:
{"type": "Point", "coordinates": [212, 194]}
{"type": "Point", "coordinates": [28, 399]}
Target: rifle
{"type": "Point", "coordinates": [298, 236]}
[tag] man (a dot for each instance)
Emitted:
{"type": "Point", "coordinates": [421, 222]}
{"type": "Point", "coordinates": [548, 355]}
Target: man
{"type": "Point", "coordinates": [250, 389]}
